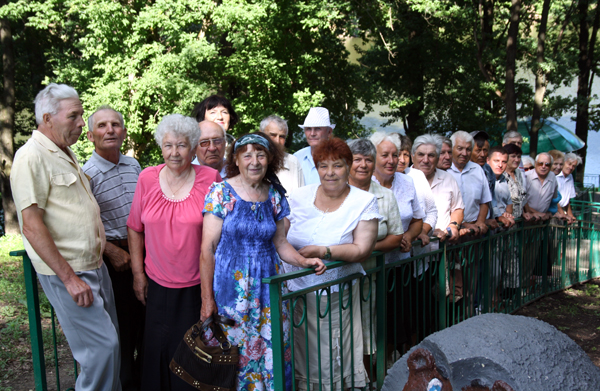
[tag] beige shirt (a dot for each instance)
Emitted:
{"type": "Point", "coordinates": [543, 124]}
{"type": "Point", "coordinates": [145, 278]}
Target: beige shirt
{"type": "Point", "coordinates": [45, 175]}
{"type": "Point", "coordinates": [447, 197]}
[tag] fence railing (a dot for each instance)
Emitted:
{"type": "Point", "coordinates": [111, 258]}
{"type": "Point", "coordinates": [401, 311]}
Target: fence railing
{"type": "Point", "coordinates": [396, 305]}
{"type": "Point", "coordinates": [405, 301]}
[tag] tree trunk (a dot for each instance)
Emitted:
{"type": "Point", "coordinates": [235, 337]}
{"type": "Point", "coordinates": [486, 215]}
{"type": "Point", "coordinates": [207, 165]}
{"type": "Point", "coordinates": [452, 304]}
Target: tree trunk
{"type": "Point", "coordinates": [511, 55]}
{"type": "Point", "coordinates": [585, 65]}
{"type": "Point", "coordinates": [7, 120]}
{"type": "Point", "coordinates": [540, 82]}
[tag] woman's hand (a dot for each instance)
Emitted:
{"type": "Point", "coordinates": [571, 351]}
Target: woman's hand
{"type": "Point", "coordinates": [424, 239]}
{"type": "Point", "coordinates": [209, 307]}
{"type": "Point", "coordinates": [316, 264]}
{"type": "Point", "coordinates": [140, 287]}
{"type": "Point", "coordinates": [406, 244]}
{"type": "Point", "coordinates": [312, 251]}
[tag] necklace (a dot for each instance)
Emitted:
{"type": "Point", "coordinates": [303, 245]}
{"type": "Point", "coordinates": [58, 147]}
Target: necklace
{"type": "Point", "coordinates": [179, 188]}
{"type": "Point", "coordinates": [253, 207]}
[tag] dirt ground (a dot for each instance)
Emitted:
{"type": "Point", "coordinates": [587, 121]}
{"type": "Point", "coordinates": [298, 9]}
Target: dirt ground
{"type": "Point", "coordinates": [576, 312]}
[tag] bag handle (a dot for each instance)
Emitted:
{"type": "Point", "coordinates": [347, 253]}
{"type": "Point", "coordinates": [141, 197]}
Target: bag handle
{"type": "Point", "coordinates": [213, 322]}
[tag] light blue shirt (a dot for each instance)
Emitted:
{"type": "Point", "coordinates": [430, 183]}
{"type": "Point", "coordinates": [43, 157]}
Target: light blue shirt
{"type": "Point", "coordinates": [311, 175]}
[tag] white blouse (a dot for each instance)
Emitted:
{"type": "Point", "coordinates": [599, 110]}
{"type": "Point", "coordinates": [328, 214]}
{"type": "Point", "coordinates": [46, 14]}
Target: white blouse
{"type": "Point", "coordinates": [312, 226]}
{"type": "Point", "coordinates": [425, 196]}
{"type": "Point", "coordinates": [408, 203]}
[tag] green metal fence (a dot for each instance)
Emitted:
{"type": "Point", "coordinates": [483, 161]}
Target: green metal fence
{"type": "Point", "coordinates": [501, 272]}
{"type": "Point", "coordinates": [396, 305]}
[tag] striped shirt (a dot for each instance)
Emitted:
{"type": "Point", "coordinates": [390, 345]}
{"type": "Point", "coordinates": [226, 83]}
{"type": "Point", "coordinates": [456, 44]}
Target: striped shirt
{"type": "Point", "coordinates": [113, 185]}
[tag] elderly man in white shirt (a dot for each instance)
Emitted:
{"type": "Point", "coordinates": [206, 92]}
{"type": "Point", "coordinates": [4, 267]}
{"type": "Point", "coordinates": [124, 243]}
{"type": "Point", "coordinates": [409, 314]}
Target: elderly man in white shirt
{"type": "Point", "coordinates": [472, 182]}
{"type": "Point", "coordinates": [542, 187]}
{"type": "Point", "coordinates": [566, 184]}
{"type": "Point", "coordinates": [291, 176]}
{"type": "Point", "coordinates": [317, 128]}
{"type": "Point", "coordinates": [446, 193]}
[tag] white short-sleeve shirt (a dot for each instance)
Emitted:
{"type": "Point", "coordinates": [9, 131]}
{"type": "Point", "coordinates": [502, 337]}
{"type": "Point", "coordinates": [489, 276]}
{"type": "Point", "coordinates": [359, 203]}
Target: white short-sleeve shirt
{"type": "Point", "coordinates": [566, 187]}
{"type": "Point", "coordinates": [447, 197]}
{"type": "Point", "coordinates": [311, 226]}
{"type": "Point", "coordinates": [425, 196]}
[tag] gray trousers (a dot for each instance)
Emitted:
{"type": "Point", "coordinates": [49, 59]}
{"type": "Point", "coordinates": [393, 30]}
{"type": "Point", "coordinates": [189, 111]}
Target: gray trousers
{"type": "Point", "coordinates": [93, 332]}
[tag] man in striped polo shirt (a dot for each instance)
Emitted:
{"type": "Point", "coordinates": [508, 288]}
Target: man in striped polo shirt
{"type": "Point", "coordinates": [113, 177]}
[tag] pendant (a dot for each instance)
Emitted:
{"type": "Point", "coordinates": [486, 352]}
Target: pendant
{"type": "Point", "coordinates": [253, 207]}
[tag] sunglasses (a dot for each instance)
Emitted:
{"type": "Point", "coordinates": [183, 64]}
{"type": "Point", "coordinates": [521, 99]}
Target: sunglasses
{"type": "Point", "coordinates": [527, 168]}
{"type": "Point", "coordinates": [217, 142]}
{"type": "Point", "coordinates": [540, 164]}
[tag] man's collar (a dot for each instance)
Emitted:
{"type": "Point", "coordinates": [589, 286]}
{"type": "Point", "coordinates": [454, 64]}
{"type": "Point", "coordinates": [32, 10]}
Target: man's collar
{"type": "Point", "coordinates": [102, 164]}
{"type": "Point", "coordinates": [45, 141]}
{"type": "Point", "coordinates": [468, 167]}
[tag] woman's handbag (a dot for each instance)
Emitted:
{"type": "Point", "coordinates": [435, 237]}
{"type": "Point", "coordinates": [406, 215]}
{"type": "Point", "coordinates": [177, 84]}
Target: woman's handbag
{"type": "Point", "coordinates": [206, 367]}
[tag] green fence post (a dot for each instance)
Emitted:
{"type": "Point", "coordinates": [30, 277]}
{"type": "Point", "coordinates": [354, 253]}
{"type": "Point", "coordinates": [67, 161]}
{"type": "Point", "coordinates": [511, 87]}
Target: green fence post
{"type": "Point", "coordinates": [35, 323]}
{"type": "Point", "coordinates": [380, 300]}
{"type": "Point", "coordinates": [441, 293]}
{"type": "Point", "coordinates": [563, 263]}
{"type": "Point", "coordinates": [519, 264]}
{"type": "Point", "coordinates": [485, 305]}
{"type": "Point", "coordinates": [277, 335]}
{"type": "Point", "coordinates": [579, 232]}
{"type": "Point", "coordinates": [545, 242]}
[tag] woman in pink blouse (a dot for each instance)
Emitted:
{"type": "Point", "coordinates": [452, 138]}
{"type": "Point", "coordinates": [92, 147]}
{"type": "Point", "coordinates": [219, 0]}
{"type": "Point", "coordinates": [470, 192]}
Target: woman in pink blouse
{"type": "Point", "coordinates": [166, 221]}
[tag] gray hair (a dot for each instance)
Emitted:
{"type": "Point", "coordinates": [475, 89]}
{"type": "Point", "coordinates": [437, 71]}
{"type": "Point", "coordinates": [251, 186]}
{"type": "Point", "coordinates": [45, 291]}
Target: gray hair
{"type": "Point", "coordinates": [464, 136]}
{"type": "Point", "coordinates": [379, 137]}
{"type": "Point", "coordinates": [443, 140]}
{"type": "Point", "coordinates": [48, 99]}
{"type": "Point", "coordinates": [428, 139]}
{"type": "Point", "coordinates": [527, 159]}
{"type": "Point", "coordinates": [511, 134]}
{"type": "Point", "coordinates": [573, 156]}
{"type": "Point", "coordinates": [103, 107]}
{"type": "Point", "coordinates": [546, 154]}
{"type": "Point", "coordinates": [362, 146]}
{"type": "Point", "coordinates": [280, 122]}
{"type": "Point", "coordinates": [178, 125]}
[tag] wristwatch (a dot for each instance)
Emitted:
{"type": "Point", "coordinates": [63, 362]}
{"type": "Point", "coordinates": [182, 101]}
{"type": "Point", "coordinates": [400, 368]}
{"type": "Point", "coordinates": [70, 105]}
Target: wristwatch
{"type": "Point", "coordinates": [327, 255]}
{"type": "Point", "coordinates": [455, 223]}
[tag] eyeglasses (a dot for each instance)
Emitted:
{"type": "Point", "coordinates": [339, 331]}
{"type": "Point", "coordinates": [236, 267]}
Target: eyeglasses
{"type": "Point", "coordinates": [217, 142]}
{"type": "Point", "coordinates": [527, 168]}
{"type": "Point", "coordinates": [540, 164]}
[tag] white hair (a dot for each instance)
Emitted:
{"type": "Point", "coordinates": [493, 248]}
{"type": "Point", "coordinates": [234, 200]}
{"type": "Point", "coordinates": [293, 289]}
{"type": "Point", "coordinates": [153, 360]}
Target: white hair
{"type": "Point", "coordinates": [104, 107]}
{"type": "Point", "coordinates": [511, 134]}
{"type": "Point", "coordinates": [379, 137]}
{"type": "Point", "coordinates": [544, 154]}
{"type": "Point", "coordinates": [526, 159]}
{"type": "Point", "coordinates": [573, 156]}
{"type": "Point", "coordinates": [280, 122]}
{"type": "Point", "coordinates": [178, 125]}
{"type": "Point", "coordinates": [464, 136]}
{"type": "Point", "coordinates": [48, 99]}
{"type": "Point", "coordinates": [427, 139]}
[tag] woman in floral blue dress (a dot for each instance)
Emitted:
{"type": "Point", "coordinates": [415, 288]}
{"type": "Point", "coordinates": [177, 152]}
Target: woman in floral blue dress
{"type": "Point", "coordinates": [242, 236]}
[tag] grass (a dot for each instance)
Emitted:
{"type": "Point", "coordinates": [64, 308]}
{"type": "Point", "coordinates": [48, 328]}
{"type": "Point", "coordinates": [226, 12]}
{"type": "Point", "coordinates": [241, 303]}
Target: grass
{"type": "Point", "coordinates": [15, 346]}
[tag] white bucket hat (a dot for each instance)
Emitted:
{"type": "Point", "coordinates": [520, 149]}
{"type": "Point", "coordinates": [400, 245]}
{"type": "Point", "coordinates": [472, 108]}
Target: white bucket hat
{"type": "Point", "coordinates": [317, 117]}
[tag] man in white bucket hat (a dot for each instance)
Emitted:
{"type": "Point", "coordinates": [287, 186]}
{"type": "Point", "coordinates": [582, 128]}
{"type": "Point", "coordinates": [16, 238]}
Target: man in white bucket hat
{"type": "Point", "coordinates": [317, 128]}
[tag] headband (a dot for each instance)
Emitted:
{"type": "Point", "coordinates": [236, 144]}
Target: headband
{"type": "Point", "coordinates": [251, 139]}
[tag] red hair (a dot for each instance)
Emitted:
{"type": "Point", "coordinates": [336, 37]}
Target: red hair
{"type": "Point", "coordinates": [332, 149]}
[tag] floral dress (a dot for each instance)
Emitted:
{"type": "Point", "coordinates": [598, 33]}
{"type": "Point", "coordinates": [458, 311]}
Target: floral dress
{"type": "Point", "coordinates": [244, 256]}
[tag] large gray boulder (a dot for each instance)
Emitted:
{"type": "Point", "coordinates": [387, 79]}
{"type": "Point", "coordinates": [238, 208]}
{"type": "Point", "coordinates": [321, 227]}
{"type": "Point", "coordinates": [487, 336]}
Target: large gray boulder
{"type": "Point", "coordinates": [525, 353]}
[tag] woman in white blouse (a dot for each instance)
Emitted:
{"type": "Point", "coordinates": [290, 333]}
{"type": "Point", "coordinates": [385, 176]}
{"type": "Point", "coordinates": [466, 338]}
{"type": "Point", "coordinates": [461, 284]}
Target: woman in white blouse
{"type": "Point", "coordinates": [388, 149]}
{"type": "Point", "coordinates": [331, 220]}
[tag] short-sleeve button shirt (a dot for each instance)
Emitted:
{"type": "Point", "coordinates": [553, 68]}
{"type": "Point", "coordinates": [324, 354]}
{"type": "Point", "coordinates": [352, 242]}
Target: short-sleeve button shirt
{"type": "Point", "coordinates": [474, 188]}
{"type": "Point", "coordinates": [43, 174]}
